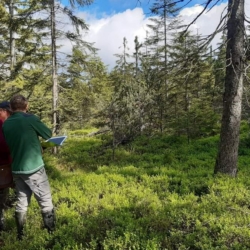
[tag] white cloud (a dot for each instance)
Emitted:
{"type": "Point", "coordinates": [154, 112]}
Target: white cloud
{"type": "Point", "coordinates": [195, 10]}
{"type": "Point", "coordinates": [108, 32]}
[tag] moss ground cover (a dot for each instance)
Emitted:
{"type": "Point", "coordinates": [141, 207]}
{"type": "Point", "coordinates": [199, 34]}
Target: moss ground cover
{"type": "Point", "coordinates": [156, 193]}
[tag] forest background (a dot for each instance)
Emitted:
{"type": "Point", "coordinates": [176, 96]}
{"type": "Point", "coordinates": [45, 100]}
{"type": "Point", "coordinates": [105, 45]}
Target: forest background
{"type": "Point", "coordinates": [163, 95]}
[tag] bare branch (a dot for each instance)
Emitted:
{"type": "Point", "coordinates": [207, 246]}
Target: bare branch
{"type": "Point", "coordinates": [245, 19]}
{"type": "Point", "coordinates": [207, 4]}
{"type": "Point", "coordinates": [220, 27]}
{"type": "Point", "coordinates": [213, 5]}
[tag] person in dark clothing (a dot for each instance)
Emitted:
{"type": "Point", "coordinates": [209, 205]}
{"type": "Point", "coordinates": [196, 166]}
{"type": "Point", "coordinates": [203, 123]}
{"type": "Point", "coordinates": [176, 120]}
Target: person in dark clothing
{"type": "Point", "coordinates": [6, 179]}
{"type": "Point", "coordinates": [21, 131]}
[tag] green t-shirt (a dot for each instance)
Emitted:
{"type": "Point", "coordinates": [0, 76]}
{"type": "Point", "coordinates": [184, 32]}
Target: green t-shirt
{"type": "Point", "coordinates": [21, 131]}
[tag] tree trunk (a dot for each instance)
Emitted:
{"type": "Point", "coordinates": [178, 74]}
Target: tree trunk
{"type": "Point", "coordinates": [12, 38]}
{"type": "Point", "coordinates": [165, 98]}
{"type": "Point", "coordinates": [55, 119]}
{"type": "Point", "coordinates": [227, 158]}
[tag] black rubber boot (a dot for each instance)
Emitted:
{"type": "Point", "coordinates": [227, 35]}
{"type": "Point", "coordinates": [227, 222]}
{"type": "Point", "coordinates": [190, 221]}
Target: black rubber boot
{"type": "Point", "coordinates": [49, 220]}
{"type": "Point", "coordinates": [1, 219]}
{"type": "Point", "coordinates": [20, 221]}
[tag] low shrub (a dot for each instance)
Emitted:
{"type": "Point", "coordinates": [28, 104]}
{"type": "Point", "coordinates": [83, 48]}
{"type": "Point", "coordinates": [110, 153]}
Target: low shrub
{"type": "Point", "coordinates": [155, 193]}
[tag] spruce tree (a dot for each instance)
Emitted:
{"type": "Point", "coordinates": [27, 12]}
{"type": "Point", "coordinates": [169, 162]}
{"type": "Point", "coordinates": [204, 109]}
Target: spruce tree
{"type": "Point", "coordinates": [84, 86]}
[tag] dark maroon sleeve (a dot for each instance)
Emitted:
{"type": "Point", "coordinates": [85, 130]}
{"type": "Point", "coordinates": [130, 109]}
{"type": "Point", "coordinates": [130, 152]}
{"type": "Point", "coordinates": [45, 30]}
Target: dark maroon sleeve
{"type": "Point", "coordinates": [4, 150]}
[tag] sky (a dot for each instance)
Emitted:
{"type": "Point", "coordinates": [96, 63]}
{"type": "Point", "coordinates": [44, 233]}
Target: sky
{"type": "Point", "coordinates": [111, 20]}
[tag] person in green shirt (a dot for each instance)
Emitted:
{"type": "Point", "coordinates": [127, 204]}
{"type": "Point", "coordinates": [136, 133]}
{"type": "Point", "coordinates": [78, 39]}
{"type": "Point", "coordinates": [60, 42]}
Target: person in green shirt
{"type": "Point", "coordinates": [22, 132]}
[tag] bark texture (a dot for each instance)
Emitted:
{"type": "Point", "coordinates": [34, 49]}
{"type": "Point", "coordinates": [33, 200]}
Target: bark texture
{"type": "Point", "coordinates": [227, 158]}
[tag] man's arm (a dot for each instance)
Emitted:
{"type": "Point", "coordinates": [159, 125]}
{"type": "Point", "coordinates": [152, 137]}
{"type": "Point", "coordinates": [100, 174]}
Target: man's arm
{"type": "Point", "coordinates": [41, 129]}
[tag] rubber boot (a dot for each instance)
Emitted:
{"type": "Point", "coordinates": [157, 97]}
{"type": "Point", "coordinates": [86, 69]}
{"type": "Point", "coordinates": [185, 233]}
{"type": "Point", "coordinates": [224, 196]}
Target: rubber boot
{"type": "Point", "coordinates": [49, 220]}
{"type": "Point", "coordinates": [20, 221]}
{"type": "Point", "coordinates": [1, 219]}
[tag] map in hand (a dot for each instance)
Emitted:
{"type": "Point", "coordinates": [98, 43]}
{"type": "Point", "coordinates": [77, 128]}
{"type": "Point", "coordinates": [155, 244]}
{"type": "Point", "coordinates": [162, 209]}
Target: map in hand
{"type": "Point", "coordinates": [53, 141]}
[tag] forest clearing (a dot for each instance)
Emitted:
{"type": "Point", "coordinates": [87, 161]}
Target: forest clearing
{"type": "Point", "coordinates": [157, 193]}
{"type": "Point", "coordinates": [157, 153]}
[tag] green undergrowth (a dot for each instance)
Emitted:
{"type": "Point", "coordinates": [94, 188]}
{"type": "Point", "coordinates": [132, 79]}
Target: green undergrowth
{"type": "Point", "coordinates": [153, 193]}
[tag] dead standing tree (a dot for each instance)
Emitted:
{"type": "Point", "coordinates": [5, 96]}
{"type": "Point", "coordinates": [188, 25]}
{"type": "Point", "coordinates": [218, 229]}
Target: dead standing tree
{"type": "Point", "coordinates": [227, 158]}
